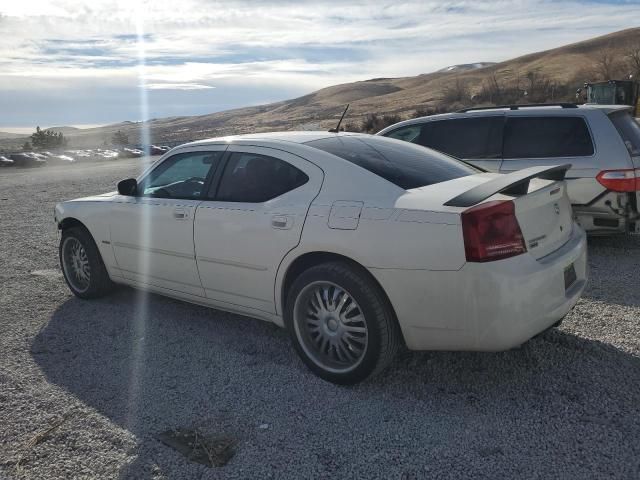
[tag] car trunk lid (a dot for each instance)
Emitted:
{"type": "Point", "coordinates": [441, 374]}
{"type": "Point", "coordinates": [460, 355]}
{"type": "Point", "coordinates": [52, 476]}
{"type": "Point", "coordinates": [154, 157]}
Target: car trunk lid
{"type": "Point", "coordinates": [542, 206]}
{"type": "Point", "coordinates": [545, 216]}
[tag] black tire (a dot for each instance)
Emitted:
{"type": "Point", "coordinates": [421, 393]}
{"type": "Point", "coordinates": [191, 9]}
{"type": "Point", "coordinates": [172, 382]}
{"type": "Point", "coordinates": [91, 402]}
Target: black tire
{"type": "Point", "coordinates": [383, 334]}
{"type": "Point", "coordinates": [98, 284]}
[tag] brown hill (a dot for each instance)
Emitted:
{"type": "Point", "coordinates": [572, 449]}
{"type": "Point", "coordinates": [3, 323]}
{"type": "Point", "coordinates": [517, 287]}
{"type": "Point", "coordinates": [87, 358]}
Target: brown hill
{"type": "Point", "coordinates": [549, 75]}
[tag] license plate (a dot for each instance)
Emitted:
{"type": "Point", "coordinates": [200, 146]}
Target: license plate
{"type": "Point", "coordinates": [569, 276]}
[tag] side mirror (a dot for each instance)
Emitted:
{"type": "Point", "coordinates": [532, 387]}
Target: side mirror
{"type": "Point", "coordinates": [128, 187]}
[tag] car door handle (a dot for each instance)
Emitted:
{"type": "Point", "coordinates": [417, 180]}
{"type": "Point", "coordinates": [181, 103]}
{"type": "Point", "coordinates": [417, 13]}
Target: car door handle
{"type": "Point", "coordinates": [180, 213]}
{"type": "Point", "coordinates": [281, 222]}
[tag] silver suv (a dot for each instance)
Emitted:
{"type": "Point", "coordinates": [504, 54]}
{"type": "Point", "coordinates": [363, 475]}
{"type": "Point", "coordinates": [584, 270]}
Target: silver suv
{"type": "Point", "coordinates": [601, 142]}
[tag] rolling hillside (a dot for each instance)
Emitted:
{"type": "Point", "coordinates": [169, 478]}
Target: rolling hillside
{"type": "Point", "coordinates": [11, 135]}
{"type": "Point", "coordinates": [559, 71]}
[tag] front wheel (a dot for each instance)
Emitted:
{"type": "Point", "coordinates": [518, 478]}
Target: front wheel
{"type": "Point", "coordinates": [341, 323]}
{"type": "Point", "coordinates": [82, 265]}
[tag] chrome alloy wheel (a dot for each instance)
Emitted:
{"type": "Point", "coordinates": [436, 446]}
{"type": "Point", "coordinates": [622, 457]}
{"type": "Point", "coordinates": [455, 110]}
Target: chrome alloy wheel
{"type": "Point", "coordinates": [76, 264]}
{"type": "Point", "coordinates": [330, 327]}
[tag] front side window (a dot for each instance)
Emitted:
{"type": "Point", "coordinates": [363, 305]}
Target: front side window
{"type": "Point", "coordinates": [466, 138]}
{"type": "Point", "coordinates": [253, 178]}
{"type": "Point", "coordinates": [546, 137]}
{"type": "Point", "coordinates": [180, 176]}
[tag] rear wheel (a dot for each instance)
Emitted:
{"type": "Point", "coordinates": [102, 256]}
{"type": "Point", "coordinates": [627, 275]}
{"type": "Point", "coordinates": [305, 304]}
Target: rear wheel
{"type": "Point", "coordinates": [82, 265]}
{"type": "Point", "coordinates": [341, 323]}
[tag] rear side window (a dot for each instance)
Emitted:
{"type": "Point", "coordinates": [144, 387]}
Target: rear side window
{"type": "Point", "coordinates": [544, 137]}
{"type": "Point", "coordinates": [628, 129]}
{"type": "Point", "coordinates": [469, 138]}
{"type": "Point", "coordinates": [254, 178]}
{"type": "Point", "coordinates": [401, 163]}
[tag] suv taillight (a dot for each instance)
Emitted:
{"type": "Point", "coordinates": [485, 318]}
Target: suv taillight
{"type": "Point", "coordinates": [491, 232]}
{"type": "Point", "coordinates": [620, 180]}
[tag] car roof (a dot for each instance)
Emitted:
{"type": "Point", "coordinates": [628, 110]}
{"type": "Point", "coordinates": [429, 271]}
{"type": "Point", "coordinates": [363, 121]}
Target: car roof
{"type": "Point", "coordinates": [548, 110]}
{"type": "Point", "coordinates": [557, 108]}
{"type": "Point", "coordinates": [299, 137]}
{"type": "Point", "coordinates": [607, 108]}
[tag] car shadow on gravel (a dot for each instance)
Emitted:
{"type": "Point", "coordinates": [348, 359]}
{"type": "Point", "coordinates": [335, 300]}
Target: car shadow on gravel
{"type": "Point", "coordinates": [613, 270]}
{"type": "Point", "coordinates": [191, 367]}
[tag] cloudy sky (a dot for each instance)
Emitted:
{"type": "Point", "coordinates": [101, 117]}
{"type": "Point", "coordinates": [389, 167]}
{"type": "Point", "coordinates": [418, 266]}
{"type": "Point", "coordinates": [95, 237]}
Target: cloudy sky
{"type": "Point", "coordinates": [68, 62]}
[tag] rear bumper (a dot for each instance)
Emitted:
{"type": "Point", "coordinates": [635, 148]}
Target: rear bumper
{"type": "Point", "coordinates": [610, 213]}
{"type": "Point", "coordinates": [486, 306]}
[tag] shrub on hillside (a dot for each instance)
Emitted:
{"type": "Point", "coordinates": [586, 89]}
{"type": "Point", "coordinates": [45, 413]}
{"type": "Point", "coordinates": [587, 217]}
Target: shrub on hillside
{"type": "Point", "coordinates": [373, 122]}
{"type": "Point", "coordinates": [44, 139]}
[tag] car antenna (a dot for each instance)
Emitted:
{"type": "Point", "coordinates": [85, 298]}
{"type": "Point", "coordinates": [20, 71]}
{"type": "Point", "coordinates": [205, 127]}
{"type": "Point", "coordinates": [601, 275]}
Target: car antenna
{"type": "Point", "coordinates": [337, 129]}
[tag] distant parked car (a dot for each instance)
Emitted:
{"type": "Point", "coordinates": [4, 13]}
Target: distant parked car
{"type": "Point", "coordinates": [94, 154]}
{"type": "Point", "coordinates": [27, 160]}
{"type": "Point", "coordinates": [124, 152]}
{"type": "Point", "coordinates": [106, 154]}
{"type": "Point", "coordinates": [132, 153]}
{"type": "Point", "coordinates": [6, 162]}
{"type": "Point", "coordinates": [81, 155]}
{"type": "Point", "coordinates": [602, 144]}
{"type": "Point", "coordinates": [356, 244]}
{"type": "Point", "coordinates": [40, 156]}
{"type": "Point", "coordinates": [155, 150]}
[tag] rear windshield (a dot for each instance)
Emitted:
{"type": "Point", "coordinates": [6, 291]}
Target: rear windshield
{"type": "Point", "coordinates": [628, 129]}
{"type": "Point", "coordinates": [401, 163]}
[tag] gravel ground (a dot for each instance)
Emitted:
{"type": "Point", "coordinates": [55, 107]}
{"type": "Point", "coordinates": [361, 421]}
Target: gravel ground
{"type": "Point", "coordinates": [565, 405]}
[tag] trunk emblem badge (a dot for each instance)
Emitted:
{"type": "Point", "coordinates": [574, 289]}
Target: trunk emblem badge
{"type": "Point", "coordinates": [557, 208]}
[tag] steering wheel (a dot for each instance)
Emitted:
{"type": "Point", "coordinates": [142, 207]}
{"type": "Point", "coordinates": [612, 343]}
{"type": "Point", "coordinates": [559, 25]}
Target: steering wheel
{"type": "Point", "coordinates": [194, 180]}
{"type": "Point", "coordinates": [162, 193]}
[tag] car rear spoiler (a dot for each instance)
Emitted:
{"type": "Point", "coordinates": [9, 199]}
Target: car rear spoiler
{"type": "Point", "coordinates": [516, 183]}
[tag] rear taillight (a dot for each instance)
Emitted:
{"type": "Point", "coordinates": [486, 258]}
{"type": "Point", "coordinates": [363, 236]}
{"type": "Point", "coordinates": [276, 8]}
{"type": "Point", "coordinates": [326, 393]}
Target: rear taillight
{"type": "Point", "coordinates": [620, 180]}
{"type": "Point", "coordinates": [491, 232]}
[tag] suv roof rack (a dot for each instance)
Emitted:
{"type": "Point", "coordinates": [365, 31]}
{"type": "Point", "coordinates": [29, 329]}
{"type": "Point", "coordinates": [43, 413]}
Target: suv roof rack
{"type": "Point", "coordinates": [517, 107]}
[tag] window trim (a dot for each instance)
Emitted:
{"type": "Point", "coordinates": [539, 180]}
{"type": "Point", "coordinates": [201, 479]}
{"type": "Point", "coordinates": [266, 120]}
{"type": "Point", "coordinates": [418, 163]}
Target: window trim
{"type": "Point", "coordinates": [207, 182]}
{"type": "Point", "coordinates": [214, 186]}
{"type": "Point", "coordinates": [528, 115]}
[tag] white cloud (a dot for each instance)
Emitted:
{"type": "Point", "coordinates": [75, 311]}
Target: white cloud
{"type": "Point", "coordinates": [193, 45]}
{"type": "Point", "coordinates": [177, 86]}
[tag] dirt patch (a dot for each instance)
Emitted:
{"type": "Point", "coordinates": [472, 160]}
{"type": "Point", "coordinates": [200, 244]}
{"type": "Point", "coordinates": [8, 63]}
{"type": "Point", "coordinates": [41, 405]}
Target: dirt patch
{"type": "Point", "coordinates": [196, 447]}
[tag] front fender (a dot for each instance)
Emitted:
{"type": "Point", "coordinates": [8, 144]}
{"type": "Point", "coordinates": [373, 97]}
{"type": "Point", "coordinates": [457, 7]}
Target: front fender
{"type": "Point", "coordinates": [94, 216]}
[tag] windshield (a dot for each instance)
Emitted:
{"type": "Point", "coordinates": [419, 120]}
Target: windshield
{"type": "Point", "coordinates": [628, 129]}
{"type": "Point", "coordinates": [403, 164]}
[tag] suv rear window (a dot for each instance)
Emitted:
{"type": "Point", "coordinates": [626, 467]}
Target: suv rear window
{"type": "Point", "coordinates": [545, 137]}
{"type": "Point", "coordinates": [401, 163]}
{"type": "Point", "coordinates": [628, 129]}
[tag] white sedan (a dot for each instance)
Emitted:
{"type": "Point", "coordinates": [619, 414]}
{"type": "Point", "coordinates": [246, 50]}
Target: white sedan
{"type": "Point", "coordinates": [354, 243]}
